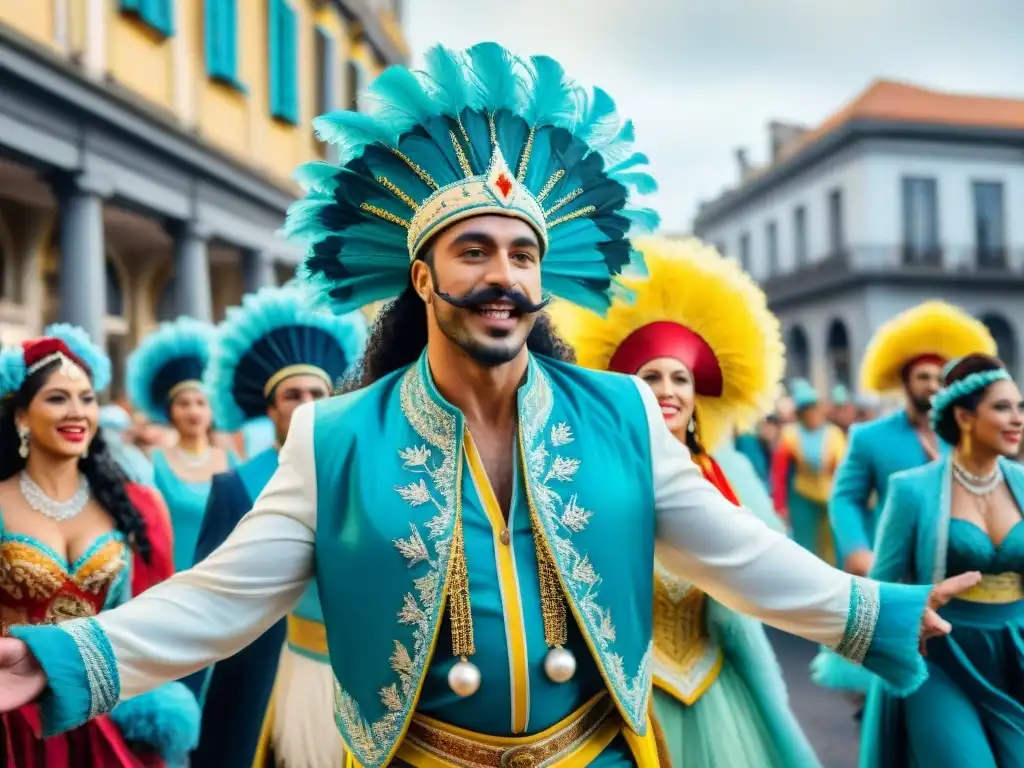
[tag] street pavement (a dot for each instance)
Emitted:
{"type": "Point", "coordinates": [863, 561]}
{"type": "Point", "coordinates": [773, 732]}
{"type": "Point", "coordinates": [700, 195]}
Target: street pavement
{"type": "Point", "coordinates": [826, 716]}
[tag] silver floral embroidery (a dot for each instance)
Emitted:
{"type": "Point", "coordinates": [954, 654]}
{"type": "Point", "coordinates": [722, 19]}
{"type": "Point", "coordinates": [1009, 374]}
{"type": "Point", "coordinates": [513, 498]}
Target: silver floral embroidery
{"type": "Point", "coordinates": [420, 609]}
{"type": "Point", "coordinates": [99, 664]}
{"type": "Point", "coordinates": [562, 518]}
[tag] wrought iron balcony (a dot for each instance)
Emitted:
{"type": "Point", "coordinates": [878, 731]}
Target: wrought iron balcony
{"type": "Point", "coordinates": [900, 264]}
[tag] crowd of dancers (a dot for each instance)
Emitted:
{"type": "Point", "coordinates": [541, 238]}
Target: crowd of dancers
{"type": "Point", "coordinates": [469, 462]}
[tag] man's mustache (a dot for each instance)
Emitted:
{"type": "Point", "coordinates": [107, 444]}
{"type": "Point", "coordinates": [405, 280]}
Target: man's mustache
{"type": "Point", "coordinates": [476, 299]}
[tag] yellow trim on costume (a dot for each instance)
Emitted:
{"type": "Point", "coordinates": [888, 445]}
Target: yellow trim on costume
{"type": "Point", "coordinates": [995, 589]}
{"type": "Point", "coordinates": [508, 582]}
{"type": "Point", "coordinates": [307, 635]}
{"type": "Point", "coordinates": [645, 748]}
{"type": "Point", "coordinates": [815, 484]}
{"type": "Point", "coordinates": [931, 328]}
{"type": "Point", "coordinates": [691, 284]}
{"type": "Point", "coordinates": [181, 386]}
{"type": "Point", "coordinates": [289, 371]}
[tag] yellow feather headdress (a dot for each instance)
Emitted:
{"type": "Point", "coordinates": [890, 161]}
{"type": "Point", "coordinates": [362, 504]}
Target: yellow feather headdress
{"type": "Point", "coordinates": [690, 284]}
{"type": "Point", "coordinates": [932, 328]}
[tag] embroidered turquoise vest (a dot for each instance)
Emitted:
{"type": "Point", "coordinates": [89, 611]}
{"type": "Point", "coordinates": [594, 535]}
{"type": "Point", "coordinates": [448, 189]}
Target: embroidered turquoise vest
{"type": "Point", "coordinates": [390, 467]}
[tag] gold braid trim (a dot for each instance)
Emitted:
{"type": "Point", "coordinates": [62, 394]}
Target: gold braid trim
{"type": "Point", "coordinates": [564, 200]}
{"type": "Point", "coordinates": [426, 177]}
{"type": "Point", "coordinates": [459, 610]}
{"type": "Point", "coordinates": [391, 187]}
{"type": "Point", "coordinates": [465, 136]}
{"type": "Point", "coordinates": [552, 603]}
{"type": "Point", "coordinates": [524, 161]}
{"type": "Point", "coordinates": [386, 215]}
{"type": "Point", "coordinates": [585, 211]}
{"type": "Point", "coordinates": [494, 131]}
{"type": "Point", "coordinates": [550, 184]}
{"type": "Point", "coordinates": [461, 155]}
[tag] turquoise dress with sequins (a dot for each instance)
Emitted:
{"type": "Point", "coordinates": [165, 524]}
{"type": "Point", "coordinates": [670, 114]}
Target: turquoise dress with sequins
{"type": "Point", "coordinates": [187, 504]}
{"type": "Point", "coordinates": [970, 711]}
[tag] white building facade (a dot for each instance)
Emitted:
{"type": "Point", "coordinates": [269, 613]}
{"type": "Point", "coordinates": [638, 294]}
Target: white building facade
{"type": "Point", "coordinates": [872, 217]}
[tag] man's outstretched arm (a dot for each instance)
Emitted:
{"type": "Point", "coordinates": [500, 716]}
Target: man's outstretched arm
{"type": "Point", "coordinates": [196, 618]}
{"type": "Point", "coordinates": [739, 561]}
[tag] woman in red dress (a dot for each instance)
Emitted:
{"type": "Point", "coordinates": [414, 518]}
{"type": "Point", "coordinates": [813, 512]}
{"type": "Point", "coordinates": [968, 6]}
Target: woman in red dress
{"type": "Point", "coordinates": [76, 538]}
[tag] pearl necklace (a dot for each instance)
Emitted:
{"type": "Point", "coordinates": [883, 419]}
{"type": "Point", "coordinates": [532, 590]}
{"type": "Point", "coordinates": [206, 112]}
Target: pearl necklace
{"type": "Point", "coordinates": [53, 509]}
{"type": "Point", "coordinates": [977, 485]}
{"type": "Point", "coordinates": [194, 460]}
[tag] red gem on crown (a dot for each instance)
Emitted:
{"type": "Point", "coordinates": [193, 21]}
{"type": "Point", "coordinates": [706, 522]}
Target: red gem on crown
{"type": "Point", "coordinates": [504, 184]}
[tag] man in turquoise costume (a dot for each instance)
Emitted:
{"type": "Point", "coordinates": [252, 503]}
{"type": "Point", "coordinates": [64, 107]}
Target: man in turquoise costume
{"type": "Point", "coordinates": [273, 354]}
{"type": "Point", "coordinates": [480, 516]}
{"type": "Point", "coordinates": [907, 353]}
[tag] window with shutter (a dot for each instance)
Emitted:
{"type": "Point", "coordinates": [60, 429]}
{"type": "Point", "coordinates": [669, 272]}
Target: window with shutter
{"type": "Point", "coordinates": [282, 45]}
{"type": "Point", "coordinates": [156, 14]}
{"type": "Point", "coordinates": [221, 27]}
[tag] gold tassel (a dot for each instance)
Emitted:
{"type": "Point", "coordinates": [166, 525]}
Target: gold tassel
{"type": "Point", "coordinates": [552, 603]}
{"type": "Point", "coordinates": [463, 645]}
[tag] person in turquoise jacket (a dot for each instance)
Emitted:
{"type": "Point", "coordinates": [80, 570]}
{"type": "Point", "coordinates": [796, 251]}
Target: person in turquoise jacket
{"type": "Point", "coordinates": [479, 513]}
{"type": "Point", "coordinates": [962, 512]}
{"type": "Point", "coordinates": [270, 704]}
{"type": "Point", "coordinates": [907, 354]}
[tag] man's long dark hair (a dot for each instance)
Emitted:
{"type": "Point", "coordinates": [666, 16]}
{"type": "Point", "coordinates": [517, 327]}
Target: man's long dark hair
{"type": "Point", "coordinates": [106, 481]}
{"type": "Point", "coordinates": [399, 335]}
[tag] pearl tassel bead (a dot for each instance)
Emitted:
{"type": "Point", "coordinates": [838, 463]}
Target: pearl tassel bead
{"type": "Point", "coordinates": [560, 665]}
{"type": "Point", "coordinates": [464, 678]}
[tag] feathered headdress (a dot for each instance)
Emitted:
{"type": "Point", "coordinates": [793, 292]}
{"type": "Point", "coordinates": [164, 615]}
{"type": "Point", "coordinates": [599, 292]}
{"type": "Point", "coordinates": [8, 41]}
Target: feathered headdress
{"type": "Point", "coordinates": [933, 329]}
{"type": "Point", "coordinates": [272, 336]}
{"type": "Point", "coordinates": [171, 359]}
{"type": "Point", "coordinates": [478, 132]}
{"type": "Point", "coordinates": [61, 341]}
{"type": "Point", "coordinates": [702, 309]}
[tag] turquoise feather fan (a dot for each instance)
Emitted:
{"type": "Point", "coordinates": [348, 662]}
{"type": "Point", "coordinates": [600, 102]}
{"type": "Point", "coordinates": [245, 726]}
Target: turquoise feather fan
{"type": "Point", "coordinates": [272, 330]}
{"type": "Point", "coordinates": [426, 131]}
{"type": "Point", "coordinates": [177, 351]}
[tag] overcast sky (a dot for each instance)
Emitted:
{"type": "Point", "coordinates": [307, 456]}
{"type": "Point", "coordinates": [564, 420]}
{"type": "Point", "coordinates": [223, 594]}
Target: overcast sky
{"type": "Point", "coordinates": [703, 77]}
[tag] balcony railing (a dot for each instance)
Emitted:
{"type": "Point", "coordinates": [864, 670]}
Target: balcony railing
{"type": "Point", "coordinates": [896, 263]}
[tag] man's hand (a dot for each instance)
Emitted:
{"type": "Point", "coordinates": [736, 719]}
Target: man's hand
{"type": "Point", "coordinates": [933, 625]}
{"type": "Point", "coordinates": [859, 563]}
{"type": "Point", "coordinates": [21, 677]}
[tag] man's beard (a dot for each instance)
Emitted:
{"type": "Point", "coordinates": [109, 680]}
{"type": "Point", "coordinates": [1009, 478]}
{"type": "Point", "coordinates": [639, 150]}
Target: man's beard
{"type": "Point", "coordinates": [922, 405]}
{"type": "Point", "coordinates": [485, 354]}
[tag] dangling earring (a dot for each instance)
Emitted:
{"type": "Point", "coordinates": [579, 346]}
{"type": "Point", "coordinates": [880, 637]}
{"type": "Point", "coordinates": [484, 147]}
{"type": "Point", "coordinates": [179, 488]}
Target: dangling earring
{"type": "Point", "coordinates": [23, 442]}
{"type": "Point", "coordinates": [692, 426]}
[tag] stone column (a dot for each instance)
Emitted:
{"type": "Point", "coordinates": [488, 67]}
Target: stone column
{"type": "Point", "coordinates": [192, 294]}
{"type": "Point", "coordinates": [83, 281]}
{"type": "Point", "coordinates": [258, 270]}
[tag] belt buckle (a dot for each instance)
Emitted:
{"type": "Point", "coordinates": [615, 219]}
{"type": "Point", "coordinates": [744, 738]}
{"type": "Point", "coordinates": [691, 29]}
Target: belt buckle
{"type": "Point", "coordinates": [519, 757]}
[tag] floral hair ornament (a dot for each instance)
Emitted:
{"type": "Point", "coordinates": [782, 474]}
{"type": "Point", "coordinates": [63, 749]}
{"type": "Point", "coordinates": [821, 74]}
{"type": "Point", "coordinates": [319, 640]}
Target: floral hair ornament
{"type": "Point", "coordinates": [70, 345]}
{"type": "Point", "coordinates": [946, 397]}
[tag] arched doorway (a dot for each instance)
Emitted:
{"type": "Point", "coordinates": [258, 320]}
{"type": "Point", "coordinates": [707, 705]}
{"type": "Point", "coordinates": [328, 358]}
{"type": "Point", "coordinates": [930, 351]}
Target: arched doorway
{"type": "Point", "coordinates": [798, 354]}
{"type": "Point", "coordinates": [1006, 339]}
{"type": "Point", "coordinates": [837, 352]}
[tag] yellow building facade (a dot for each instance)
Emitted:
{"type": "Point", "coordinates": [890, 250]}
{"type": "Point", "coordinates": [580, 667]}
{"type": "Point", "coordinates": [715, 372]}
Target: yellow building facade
{"type": "Point", "coordinates": [147, 148]}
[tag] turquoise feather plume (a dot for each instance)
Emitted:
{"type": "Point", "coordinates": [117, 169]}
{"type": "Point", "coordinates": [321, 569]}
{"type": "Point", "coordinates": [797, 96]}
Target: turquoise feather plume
{"type": "Point", "coordinates": [184, 340]}
{"type": "Point", "coordinates": [421, 130]}
{"type": "Point", "coordinates": [271, 330]}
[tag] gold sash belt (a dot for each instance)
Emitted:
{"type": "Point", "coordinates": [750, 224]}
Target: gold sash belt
{"type": "Point", "coordinates": [306, 635]}
{"type": "Point", "coordinates": [996, 588]}
{"type": "Point", "coordinates": [596, 721]}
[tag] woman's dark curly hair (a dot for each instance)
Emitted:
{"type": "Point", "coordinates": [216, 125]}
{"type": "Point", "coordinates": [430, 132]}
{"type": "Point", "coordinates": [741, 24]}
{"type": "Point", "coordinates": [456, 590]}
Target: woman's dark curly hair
{"type": "Point", "coordinates": [399, 335]}
{"type": "Point", "coordinates": [947, 428]}
{"type": "Point", "coordinates": [107, 482]}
